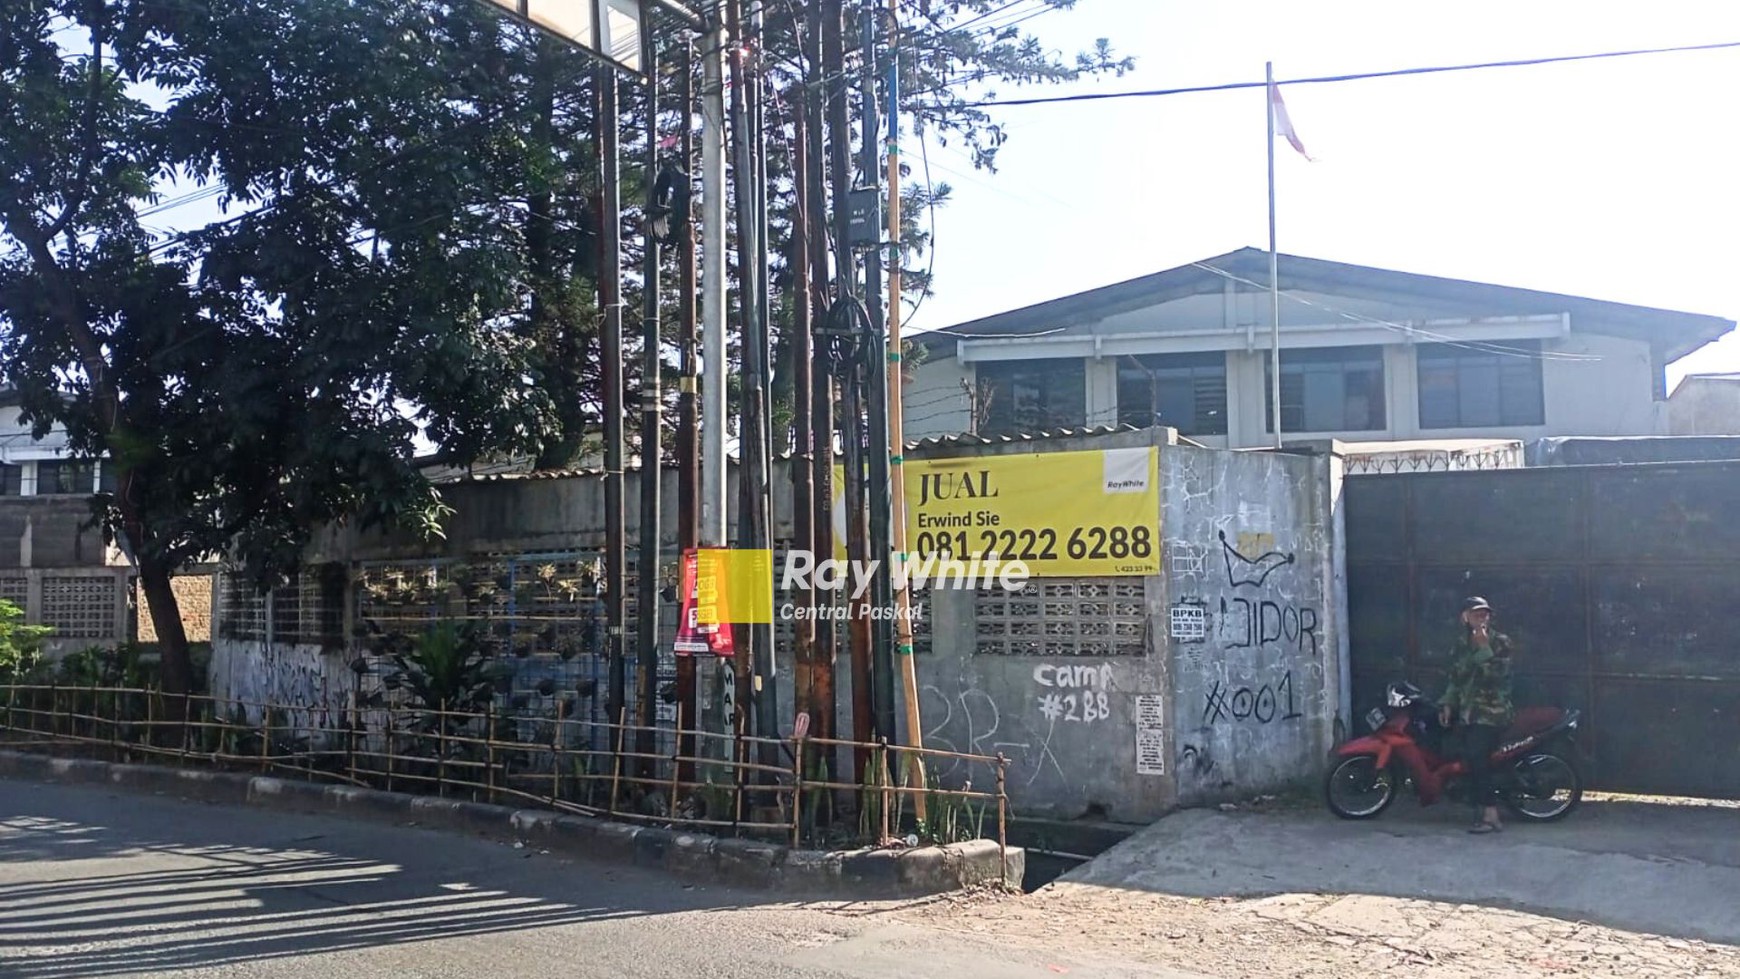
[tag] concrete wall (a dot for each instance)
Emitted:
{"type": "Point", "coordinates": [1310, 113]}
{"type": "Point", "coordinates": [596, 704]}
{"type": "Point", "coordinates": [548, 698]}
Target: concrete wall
{"type": "Point", "coordinates": [50, 532]}
{"type": "Point", "coordinates": [1124, 736]}
{"type": "Point", "coordinates": [937, 401]}
{"type": "Point", "coordinates": [1067, 723]}
{"type": "Point", "coordinates": [1251, 626]}
{"type": "Point", "coordinates": [1705, 406]}
{"type": "Point", "coordinates": [1237, 714]}
{"type": "Point", "coordinates": [84, 606]}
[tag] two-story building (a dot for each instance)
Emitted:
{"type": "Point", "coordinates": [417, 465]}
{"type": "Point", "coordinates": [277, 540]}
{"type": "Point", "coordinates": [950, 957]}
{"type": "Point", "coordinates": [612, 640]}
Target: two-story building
{"type": "Point", "coordinates": [55, 563]}
{"type": "Point", "coordinates": [1366, 355]}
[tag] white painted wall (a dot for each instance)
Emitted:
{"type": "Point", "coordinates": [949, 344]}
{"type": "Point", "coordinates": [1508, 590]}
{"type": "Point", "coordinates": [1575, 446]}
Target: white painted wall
{"type": "Point", "coordinates": [936, 401]}
{"type": "Point", "coordinates": [1611, 394]}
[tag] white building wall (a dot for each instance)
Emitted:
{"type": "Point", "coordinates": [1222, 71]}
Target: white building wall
{"type": "Point", "coordinates": [1591, 385]}
{"type": "Point", "coordinates": [936, 400]}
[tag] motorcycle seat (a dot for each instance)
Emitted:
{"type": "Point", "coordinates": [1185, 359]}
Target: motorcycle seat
{"type": "Point", "coordinates": [1533, 720]}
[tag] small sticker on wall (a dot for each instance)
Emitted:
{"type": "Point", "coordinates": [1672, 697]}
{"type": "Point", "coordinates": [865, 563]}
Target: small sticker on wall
{"type": "Point", "coordinates": [1150, 734]}
{"type": "Point", "coordinates": [1189, 622]}
{"type": "Point", "coordinates": [1150, 753]}
{"type": "Point", "coordinates": [1150, 712]}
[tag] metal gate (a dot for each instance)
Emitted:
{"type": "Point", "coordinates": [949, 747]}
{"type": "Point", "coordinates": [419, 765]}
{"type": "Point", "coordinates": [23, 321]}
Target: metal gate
{"type": "Point", "coordinates": [1620, 585]}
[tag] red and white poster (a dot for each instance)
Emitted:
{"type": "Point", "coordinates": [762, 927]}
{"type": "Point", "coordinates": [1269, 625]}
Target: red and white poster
{"type": "Point", "coordinates": [692, 636]}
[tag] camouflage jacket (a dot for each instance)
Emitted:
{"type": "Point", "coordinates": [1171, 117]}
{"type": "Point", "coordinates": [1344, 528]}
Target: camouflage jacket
{"type": "Point", "coordinates": [1479, 690]}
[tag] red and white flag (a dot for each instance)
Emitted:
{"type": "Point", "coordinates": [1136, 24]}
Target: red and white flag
{"type": "Point", "coordinates": [1283, 122]}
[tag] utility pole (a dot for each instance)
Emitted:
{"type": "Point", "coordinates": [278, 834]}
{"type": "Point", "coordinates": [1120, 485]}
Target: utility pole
{"type": "Point", "coordinates": [713, 363]}
{"type": "Point", "coordinates": [803, 448]}
{"type": "Point", "coordinates": [875, 381]}
{"type": "Point", "coordinates": [651, 466]}
{"type": "Point", "coordinates": [688, 461]}
{"type": "Point", "coordinates": [767, 674]}
{"type": "Point", "coordinates": [753, 529]}
{"type": "Point", "coordinates": [821, 376]}
{"type": "Point", "coordinates": [714, 507]}
{"type": "Point", "coordinates": [850, 420]}
{"type": "Point", "coordinates": [896, 423]}
{"type": "Point", "coordinates": [610, 299]}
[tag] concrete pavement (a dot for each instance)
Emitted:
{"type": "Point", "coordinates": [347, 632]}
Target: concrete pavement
{"type": "Point", "coordinates": [1671, 870]}
{"type": "Point", "coordinates": [97, 883]}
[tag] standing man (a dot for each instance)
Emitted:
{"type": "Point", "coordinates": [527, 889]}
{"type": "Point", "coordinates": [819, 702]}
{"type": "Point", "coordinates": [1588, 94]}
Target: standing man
{"type": "Point", "coordinates": [1478, 700]}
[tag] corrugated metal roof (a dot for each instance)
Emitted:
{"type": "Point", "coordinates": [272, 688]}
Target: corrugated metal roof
{"type": "Point", "coordinates": [967, 438]}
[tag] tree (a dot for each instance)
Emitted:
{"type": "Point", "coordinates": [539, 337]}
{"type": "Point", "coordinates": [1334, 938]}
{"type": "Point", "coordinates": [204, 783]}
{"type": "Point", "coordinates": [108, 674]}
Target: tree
{"type": "Point", "coordinates": [265, 373]}
{"type": "Point", "coordinates": [407, 248]}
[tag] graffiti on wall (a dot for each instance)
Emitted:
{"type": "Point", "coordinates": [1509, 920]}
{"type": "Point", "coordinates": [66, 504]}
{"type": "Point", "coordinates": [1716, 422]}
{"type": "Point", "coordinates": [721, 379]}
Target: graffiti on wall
{"type": "Point", "coordinates": [1262, 704]}
{"type": "Point", "coordinates": [1254, 658]}
{"type": "Point", "coordinates": [971, 722]}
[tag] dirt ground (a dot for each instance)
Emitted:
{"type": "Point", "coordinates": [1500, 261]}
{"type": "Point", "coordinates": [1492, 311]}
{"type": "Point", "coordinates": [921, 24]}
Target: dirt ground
{"type": "Point", "coordinates": [1312, 936]}
{"type": "Point", "coordinates": [1624, 888]}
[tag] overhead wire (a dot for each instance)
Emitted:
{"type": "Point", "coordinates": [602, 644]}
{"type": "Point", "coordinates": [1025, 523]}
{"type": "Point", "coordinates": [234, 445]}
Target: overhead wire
{"type": "Point", "coordinates": [1351, 77]}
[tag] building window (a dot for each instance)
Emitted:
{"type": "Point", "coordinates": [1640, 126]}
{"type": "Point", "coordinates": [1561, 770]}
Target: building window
{"type": "Point", "coordinates": [11, 480]}
{"type": "Point", "coordinates": [1182, 391]}
{"type": "Point", "coordinates": [1018, 397]}
{"type": "Point", "coordinates": [1488, 385]}
{"type": "Point", "coordinates": [1327, 389]}
{"type": "Point", "coordinates": [65, 477]}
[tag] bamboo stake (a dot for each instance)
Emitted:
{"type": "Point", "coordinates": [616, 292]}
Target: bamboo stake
{"type": "Point", "coordinates": [797, 790]}
{"type": "Point", "coordinates": [489, 749]}
{"type": "Point", "coordinates": [1002, 814]}
{"type": "Point", "coordinates": [441, 749]}
{"type": "Point", "coordinates": [616, 769]}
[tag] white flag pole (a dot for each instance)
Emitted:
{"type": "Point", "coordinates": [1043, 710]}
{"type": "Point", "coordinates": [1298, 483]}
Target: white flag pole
{"type": "Point", "coordinates": [1274, 270]}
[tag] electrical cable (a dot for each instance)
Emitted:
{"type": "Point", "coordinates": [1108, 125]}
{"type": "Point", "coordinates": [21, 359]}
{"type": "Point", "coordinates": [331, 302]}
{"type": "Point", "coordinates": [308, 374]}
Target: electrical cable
{"type": "Point", "coordinates": [1356, 76]}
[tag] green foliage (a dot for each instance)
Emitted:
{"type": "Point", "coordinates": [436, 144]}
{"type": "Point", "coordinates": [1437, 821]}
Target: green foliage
{"type": "Point", "coordinates": [106, 666]}
{"type": "Point", "coordinates": [247, 377]}
{"type": "Point", "coordinates": [20, 644]}
{"type": "Point", "coordinates": [407, 247]}
{"type": "Point", "coordinates": [447, 667]}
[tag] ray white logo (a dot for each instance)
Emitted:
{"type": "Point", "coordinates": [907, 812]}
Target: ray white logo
{"type": "Point", "coordinates": [1126, 471]}
{"type": "Point", "coordinates": [803, 571]}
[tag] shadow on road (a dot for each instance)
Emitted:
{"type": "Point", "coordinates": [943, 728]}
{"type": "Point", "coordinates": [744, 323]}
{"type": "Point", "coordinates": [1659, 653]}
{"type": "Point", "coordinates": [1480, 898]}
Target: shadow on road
{"type": "Point", "coordinates": [95, 884]}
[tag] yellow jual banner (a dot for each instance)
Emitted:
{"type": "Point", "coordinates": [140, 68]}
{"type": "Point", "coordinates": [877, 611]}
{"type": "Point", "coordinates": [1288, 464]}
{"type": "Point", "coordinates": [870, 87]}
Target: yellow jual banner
{"type": "Point", "coordinates": [1064, 514]}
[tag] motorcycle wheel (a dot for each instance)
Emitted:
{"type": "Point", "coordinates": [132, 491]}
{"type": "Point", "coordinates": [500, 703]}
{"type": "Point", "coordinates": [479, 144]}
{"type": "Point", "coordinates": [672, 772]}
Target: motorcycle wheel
{"type": "Point", "coordinates": [1355, 788]}
{"type": "Point", "coordinates": [1544, 786]}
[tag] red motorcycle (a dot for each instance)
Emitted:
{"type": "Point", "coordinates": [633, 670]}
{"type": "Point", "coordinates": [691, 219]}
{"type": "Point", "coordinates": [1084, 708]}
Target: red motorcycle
{"type": "Point", "coordinates": [1534, 766]}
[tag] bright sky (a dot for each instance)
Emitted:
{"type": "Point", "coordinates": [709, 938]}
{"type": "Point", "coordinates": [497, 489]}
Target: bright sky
{"type": "Point", "coordinates": [1613, 179]}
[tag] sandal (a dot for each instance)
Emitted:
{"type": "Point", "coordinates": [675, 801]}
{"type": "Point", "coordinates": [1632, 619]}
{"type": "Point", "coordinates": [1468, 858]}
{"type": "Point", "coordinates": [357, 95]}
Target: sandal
{"type": "Point", "coordinates": [1486, 827]}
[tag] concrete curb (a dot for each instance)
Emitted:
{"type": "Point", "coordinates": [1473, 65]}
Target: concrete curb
{"type": "Point", "coordinates": [691, 856]}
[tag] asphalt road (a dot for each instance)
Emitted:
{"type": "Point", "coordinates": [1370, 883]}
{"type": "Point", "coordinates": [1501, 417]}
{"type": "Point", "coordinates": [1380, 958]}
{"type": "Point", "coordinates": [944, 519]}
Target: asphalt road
{"type": "Point", "coordinates": [96, 883]}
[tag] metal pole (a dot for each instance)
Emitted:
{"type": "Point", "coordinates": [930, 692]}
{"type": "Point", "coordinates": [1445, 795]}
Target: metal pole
{"type": "Point", "coordinates": [610, 298]}
{"type": "Point", "coordinates": [849, 420]}
{"type": "Point", "coordinates": [1274, 269]}
{"type": "Point", "coordinates": [713, 363]}
{"type": "Point", "coordinates": [896, 419]}
{"type": "Point", "coordinates": [714, 523]}
{"type": "Point", "coordinates": [688, 434]}
{"type": "Point", "coordinates": [803, 509]}
{"type": "Point", "coordinates": [821, 379]}
{"type": "Point", "coordinates": [767, 673]}
{"type": "Point", "coordinates": [651, 457]}
{"type": "Point", "coordinates": [876, 390]}
{"type": "Point", "coordinates": [752, 431]}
